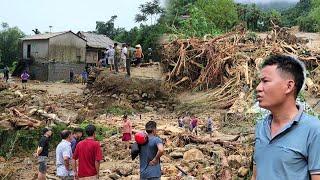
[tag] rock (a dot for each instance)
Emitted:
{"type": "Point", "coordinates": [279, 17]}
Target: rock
{"type": "Point", "coordinates": [86, 92]}
{"type": "Point", "coordinates": [242, 172]}
{"type": "Point", "coordinates": [115, 96]}
{"type": "Point", "coordinates": [133, 177]}
{"type": "Point", "coordinates": [189, 178]}
{"type": "Point", "coordinates": [149, 108]}
{"type": "Point", "coordinates": [2, 159]}
{"type": "Point", "coordinates": [32, 111]}
{"type": "Point", "coordinates": [151, 96]}
{"type": "Point", "coordinates": [90, 105]}
{"type": "Point", "coordinates": [161, 110]}
{"type": "Point", "coordinates": [67, 115]}
{"type": "Point", "coordinates": [144, 95]}
{"type": "Point", "coordinates": [193, 154]}
{"type": "Point", "coordinates": [18, 93]}
{"type": "Point", "coordinates": [6, 125]}
{"type": "Point", "coordinates": [78, 106]}
{"type": "Point", "coordinates": [176, 155]}
{"type": "Point", "coordinates": [123, 96]}
{"type": "Point", "coordinates": [135, 97]}
{"type": "Point", "coordinates": [124, 170]}
{"type": "Point", "coordinates": [114, 176]}
{"type": "Point", "coordinates": [235, 161]}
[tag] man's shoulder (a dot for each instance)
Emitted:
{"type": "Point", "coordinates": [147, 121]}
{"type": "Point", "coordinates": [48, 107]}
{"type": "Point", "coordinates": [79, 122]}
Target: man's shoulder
{"type": "Point", "coordinates": [309, 121]}
{"type": "Point", "coordinates": [156, 140]}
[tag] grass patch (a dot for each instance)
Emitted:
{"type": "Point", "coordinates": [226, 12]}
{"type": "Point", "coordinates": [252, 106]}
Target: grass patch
{"type": "Point", "coordinates": [101, 131]}
{"type": "Point", "coordinates": [119, 110]}
{"type": "Point", "coordinates": [20, 142]}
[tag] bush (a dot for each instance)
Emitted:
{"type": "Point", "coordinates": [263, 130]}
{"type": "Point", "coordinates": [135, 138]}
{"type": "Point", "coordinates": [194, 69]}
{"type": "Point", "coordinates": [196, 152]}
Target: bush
{"type": "Point", "coordinates": [20, 142]}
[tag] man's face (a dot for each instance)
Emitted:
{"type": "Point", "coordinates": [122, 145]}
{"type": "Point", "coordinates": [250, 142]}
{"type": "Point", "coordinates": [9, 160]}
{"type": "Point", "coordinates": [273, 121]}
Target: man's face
{"type": "Point", "coordinates": [49, 133]}
{"type": "Point", "coordinates": [78, 135]}
{"type": "Point", "coordinates": [273, 87]}
{"type": "Point", "coordinates": [69, 138]}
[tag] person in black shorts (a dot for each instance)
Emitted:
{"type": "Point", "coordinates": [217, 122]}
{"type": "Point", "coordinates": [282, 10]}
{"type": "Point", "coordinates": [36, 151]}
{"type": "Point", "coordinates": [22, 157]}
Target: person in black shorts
{"type": "Point", "coordinates": [42, 153]}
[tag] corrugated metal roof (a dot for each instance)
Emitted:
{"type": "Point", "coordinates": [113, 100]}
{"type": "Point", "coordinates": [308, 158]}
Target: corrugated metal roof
{"type": "Point", "coordinates": [43, 36]}
{"type": "Point", "coordinates": [96, 40]}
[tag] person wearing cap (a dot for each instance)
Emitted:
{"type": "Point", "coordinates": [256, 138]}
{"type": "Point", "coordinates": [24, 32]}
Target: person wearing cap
{"type": "Point", "coordinates": [42, 153]}
{"type": "Point", "coordinates": [126, 131]}
{"type": "Point", "coordinates": [64, 156]}
{"type": "Point", "coordinates": [287, 141]}
{"type": "Point", "coordinates": [150, 154]}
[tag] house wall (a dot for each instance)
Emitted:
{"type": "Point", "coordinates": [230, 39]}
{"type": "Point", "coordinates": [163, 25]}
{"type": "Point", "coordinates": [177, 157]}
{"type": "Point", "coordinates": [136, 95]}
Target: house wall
{"type": "Point", "coordinates": [67, 48]}
{"type": "Point", "coordinates": [91, 56]}
{"type": "Point", "coordinates": [39, 49]}
{"type": "Point", "coordinates": [61, 71]}
{"type": "Point", "coordinates": [54, 71]}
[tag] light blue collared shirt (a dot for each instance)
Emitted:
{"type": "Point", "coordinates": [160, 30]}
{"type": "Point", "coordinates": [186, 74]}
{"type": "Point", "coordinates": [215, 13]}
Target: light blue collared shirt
{"type": "Point", "coordinates": [293, 154]}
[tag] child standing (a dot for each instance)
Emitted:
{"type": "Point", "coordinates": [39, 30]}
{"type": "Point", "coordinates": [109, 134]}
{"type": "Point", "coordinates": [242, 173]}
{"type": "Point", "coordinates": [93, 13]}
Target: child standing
{"type": "Point", "coordinates": [24, 79]}
{"type": "Point", "coordinates": [84, 77]}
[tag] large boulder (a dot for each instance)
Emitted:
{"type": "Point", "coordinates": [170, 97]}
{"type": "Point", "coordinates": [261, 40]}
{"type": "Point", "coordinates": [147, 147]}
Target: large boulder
{"type": "Point", "coordinates": [193, 154]}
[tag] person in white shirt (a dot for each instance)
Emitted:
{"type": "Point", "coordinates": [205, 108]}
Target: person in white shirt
{"type": "Point", "coordinates": [110, 56]}
{"type": "Point", "coordinates": [63, 156]}
{"type": "Point", "coordinates": [124, 55]}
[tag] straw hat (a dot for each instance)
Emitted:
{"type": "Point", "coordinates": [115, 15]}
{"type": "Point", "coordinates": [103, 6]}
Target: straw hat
{"type": "Point", "coordinates": [138, 46]}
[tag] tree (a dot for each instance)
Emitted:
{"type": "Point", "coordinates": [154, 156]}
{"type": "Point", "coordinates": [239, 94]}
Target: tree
{"type": "Point", "coordinates": [150, 9]}
{"type": "Point", "coordinates": [9, 44]}
{"type": "Point", "coordinates": [223, 13]}
{"type": "Point", "coordinates": [107, 28]}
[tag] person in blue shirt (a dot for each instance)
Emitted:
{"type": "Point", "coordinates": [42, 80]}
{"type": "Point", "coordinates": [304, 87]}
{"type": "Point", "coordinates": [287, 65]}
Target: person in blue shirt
{"type": "Point", "coordinates": [287, 142]}
{"type": "Point", "coordinates": [76, 138]}
{"type": "Point", "coordinates": [150, 154]}
{"type": "Point", "coordinates": [84, 77]}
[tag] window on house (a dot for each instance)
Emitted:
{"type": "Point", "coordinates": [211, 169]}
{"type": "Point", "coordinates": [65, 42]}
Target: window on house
{"type": "Point", "coordinates": [29, 51]}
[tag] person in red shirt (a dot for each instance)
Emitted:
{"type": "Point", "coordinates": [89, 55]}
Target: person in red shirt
{"type": "Point", "coordinates": [126, 131]}
{"type": "Point", "coordinates": [194, 124]}
{"type": "Point", "coordinates": [89, 154]}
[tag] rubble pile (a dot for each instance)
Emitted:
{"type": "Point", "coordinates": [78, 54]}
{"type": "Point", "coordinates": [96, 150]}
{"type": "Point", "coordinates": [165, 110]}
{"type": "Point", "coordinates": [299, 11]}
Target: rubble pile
{"type": "Point", "coordinates": [186, 155]}
{"type": "Point", "coordinates": [229, 63]}
{"type": "Point", "coordinates": [135, 93]}
{"type": "Point", "coordinates": [27, 109]}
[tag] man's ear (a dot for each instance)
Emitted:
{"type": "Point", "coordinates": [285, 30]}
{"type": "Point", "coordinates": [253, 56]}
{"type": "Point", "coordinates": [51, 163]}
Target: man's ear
{"type": "Point", "coordinates": [290, 86]}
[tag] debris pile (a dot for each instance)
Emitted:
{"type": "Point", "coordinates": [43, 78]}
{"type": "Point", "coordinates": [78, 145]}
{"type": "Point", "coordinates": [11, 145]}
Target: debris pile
{"type": "Point", "coordinates": [229, 62]}
{"type": "Point", "coordinates": [27, 109]}
{"type": "Point", "coordinates": [186, 155]}
{"type": "Point", "coordinates": [135, 93]}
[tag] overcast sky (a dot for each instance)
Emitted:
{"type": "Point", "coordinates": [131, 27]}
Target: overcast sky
{"type": "Point", "coordinates": [72, 15]}
{"type": "Point", "coordinates": [65, 15]}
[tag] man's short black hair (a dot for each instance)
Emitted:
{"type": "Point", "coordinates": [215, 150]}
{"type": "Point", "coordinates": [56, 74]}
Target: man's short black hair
{"type": "Point", "coordinates": [44, 130]}
{"type": "Point", "coordinates": [90, 129]}
{"type": "Point", "coordinates": [65, 134]}
{"type": "Point", "coordinates": [115, 44]}
{"type": "Point", "coordinates": [76, 130]}
{"type": "Point", "coordinates": [290, 65]}
{"type": "Point", "coordinates": [150, 126]}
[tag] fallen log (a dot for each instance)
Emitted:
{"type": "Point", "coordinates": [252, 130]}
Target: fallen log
{"type": "Point", "coordinates": [23, 120]}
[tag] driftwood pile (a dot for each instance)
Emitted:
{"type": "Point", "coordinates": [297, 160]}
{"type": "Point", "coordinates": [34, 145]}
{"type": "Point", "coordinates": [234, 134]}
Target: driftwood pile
{"type": "Point", "coordinates": [229, 62]}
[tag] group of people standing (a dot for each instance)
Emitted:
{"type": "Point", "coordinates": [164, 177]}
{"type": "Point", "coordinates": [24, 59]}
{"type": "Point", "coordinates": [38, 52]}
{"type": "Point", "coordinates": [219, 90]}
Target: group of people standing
{"type": "Point", "coordinates": [122, 57]}
{"type": "Point", "coordinates": [190, 123]}
{"type": "Point", "coordinates": [80, 159]}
